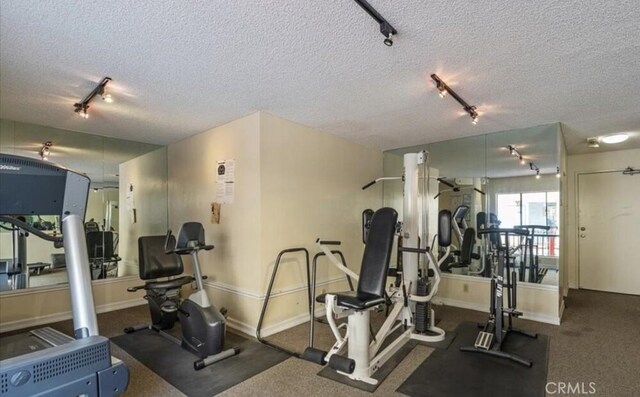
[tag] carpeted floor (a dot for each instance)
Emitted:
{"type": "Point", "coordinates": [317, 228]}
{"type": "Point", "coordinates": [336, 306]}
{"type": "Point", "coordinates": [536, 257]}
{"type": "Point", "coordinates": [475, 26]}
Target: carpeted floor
{"type": "Point", "coordinates": [598, 341]}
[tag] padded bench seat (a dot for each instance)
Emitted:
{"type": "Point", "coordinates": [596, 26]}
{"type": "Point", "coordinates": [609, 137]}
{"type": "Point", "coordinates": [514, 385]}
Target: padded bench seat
{"type": "Point", "coordinates": [353, 300]}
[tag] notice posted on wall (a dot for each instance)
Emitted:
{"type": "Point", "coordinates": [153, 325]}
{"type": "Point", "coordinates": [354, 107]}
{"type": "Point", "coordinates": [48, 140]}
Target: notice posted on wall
{"type": "Point", "coordinates": [225, 174]}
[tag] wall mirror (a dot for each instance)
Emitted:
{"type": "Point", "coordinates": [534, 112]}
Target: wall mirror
{"type": "Point", "coordinates": [505, 179]}
{"type": "Point", "coordinates": [122, 173]}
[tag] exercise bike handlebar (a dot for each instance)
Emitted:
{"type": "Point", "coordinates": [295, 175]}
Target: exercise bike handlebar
{"type": "Point", "coordinates": [183, 250]}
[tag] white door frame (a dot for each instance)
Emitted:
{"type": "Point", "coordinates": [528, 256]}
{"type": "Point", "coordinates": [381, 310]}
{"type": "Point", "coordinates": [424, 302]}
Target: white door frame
{"type": "Point", "coordinates": [577, 204]}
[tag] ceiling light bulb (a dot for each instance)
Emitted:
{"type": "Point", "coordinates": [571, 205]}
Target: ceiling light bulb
{"type": "Point", "coordinates": [107, 98]}
{"type": "Point", "coordinates": [615, 138]}
{"type": "Point", "coordinates": [537, 176]}
{"type": "Point", "coordinates": [474, 120]}
{"type": "Point", "coordinates": [388, 41]}
{"type": "Point", "coordinates": [442, 93]}
{"type": "Point", "coordinates": [558, 175]}
{"type": "Point", "coordinates": [522, 161]}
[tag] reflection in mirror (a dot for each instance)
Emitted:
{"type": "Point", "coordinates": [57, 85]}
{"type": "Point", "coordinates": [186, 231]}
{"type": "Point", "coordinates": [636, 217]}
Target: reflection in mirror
{"type": "Point", "coordinates": [461, 191]}
{"type": "Point", "coordinates": [28, 261]}
{"type": "Point", "coordinates": [502, 180]}
{"type": "Point", "coordinates": [523, 193]}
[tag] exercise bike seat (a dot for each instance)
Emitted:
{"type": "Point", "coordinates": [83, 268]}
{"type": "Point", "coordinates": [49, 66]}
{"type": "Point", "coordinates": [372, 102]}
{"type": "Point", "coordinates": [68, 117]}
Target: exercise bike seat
{"type": "Point", "coordinates": [354, 300]}
{"type": "Point", "coordinates": [168, 284]}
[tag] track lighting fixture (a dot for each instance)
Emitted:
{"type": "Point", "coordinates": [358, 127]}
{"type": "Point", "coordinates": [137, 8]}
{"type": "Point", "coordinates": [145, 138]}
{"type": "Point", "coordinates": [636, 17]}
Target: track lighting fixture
{"type": "Point", "coordinates": [558, 174]}
{"type": "Point", "coordinates": [514, 152]}
{"type": "Point", "coordinates": [535, 168]}
{"type": "Point", "coordinates": [630, 171]}
{"type": "Point", "coordinates": [443, 89]}
{"type": "Point", "coordinates": [45, 150]}
{"type": "Point", "coordinates": [82, 107]}
{"type": "Point", "coordinates": [386, 29]}
{"type": "Point", "coordinates": [593, 142]}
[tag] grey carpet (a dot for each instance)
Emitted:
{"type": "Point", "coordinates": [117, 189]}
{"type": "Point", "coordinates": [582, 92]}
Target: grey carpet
{"type": "Point", "coordinates": [597, 342]}
{"type": "Point", "coordinates": [484, 376]}
{"type": "Point", "coordinates": [175, 364]}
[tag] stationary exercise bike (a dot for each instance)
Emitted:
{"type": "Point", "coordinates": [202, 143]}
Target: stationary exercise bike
{"type": "Point", "coordinates": [203, 326]}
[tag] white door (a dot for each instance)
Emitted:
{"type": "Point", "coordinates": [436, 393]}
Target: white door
{"type": "Point", "coordinates": [609, 232]}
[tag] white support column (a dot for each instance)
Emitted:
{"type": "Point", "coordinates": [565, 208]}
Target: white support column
{"type": "Point", "coordinates": [410, 219]}
{"type": "Point", "coordinates": [359, 345]}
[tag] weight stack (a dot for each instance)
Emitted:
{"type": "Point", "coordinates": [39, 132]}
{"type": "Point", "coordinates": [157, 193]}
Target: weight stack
{"type": "Point", "coordinates": [423, 308]}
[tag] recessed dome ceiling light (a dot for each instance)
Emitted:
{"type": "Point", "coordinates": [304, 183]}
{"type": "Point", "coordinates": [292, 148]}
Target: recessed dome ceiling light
{"type": "Point", "coordinates": [615, 138]}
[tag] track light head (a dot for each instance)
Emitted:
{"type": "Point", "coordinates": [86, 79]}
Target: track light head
{"type": "Point", "coordinates": [558, 174]}
{"type": "Point", "coordinates": [472, 113]}
{"type": "Point", "coordinates": [45, 150]}
{"type": "Point", "coordinates": [81, 108]}
{"type": "Point", "coordinates": [388, 41]}
{"type": "Point", "coordinates": [593, 142]}
{"type": "Point", "coordinates": [538, 174]}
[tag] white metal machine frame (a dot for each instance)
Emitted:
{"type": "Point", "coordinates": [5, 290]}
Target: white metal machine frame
{"type": "Point", "coordinates": [364, 351]}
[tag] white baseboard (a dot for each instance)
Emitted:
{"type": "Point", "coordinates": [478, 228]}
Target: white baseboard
{"type": "Point", "coordinates": [542, 318]}
{"type": "Point", "coordinates": [55, 317]}
{"type": "Point", "coordinates": [275, 328]}
{"type": "Point", "coordinates": [438, 300]}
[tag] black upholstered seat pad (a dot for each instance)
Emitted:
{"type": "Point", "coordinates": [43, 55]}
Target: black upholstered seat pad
{"type": "Point", "coordinates": [353, 300]}
{"type": "Point", "coordinates": [169, 284]}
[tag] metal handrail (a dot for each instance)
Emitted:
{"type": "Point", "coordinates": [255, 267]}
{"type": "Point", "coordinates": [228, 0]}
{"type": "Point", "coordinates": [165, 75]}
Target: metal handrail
{"type": "Point", "coordinates": [268, 295]}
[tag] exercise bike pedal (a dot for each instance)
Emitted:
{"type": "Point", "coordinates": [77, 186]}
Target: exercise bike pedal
{"type": "Point", "coordinates": [484, 340]}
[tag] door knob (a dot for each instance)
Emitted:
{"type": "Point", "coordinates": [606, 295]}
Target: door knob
{"type": "Point", "coordinates": [583, 228]}
{"type": "Point", "coordinates": [583, 235]}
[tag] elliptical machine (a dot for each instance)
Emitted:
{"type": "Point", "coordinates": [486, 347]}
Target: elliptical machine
{"type": "Point", "coordinates": [203, 325]}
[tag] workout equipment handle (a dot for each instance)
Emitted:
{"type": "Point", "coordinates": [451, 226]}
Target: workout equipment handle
{"type": "Point", "coordinates": [167, 238]}
{"type": "Point", "coordinates": [328, 242]}
{"type": "Point", "coordinates": [441, 180]}
{"type": "Point", "coordinates": [31, 229]}
{"type": "Point", "coordinates": [369, 185]}
{"type": "Point", "coordinates": [520, 232]}
{"type": "Point", "coordinates": [414, 250]}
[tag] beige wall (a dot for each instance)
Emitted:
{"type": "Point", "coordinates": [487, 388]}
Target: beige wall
{"type": "Point", "coordinates": [148, 176]}
{"type": "Point", "coordinates": [35, 306]}
{"type": "Point", "coordinates": [232, 265]}
{"type": "Point", "coordinates": [581, 163]}
{"type": "Point", "coordinates": [293, 184]}
{"type": "Point", "coordinates": [311, 188]}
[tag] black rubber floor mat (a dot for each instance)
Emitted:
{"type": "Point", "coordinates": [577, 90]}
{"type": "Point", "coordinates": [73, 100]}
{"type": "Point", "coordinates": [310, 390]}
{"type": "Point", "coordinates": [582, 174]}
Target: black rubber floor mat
{"type": "Point", "coordinates": [175, 365]}
{"type": "Point", "coordinates": [454, 373]}
{"type": "Point", "coordinates": [379, 375]}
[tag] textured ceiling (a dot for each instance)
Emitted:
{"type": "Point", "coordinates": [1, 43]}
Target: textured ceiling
{"type": "Point", "coordinates": [182, 67]}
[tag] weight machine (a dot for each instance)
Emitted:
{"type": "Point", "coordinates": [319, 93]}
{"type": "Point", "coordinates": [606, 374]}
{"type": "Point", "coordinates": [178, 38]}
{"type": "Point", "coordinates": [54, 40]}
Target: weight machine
{"type": "Point", "coordinates": [411, 311]}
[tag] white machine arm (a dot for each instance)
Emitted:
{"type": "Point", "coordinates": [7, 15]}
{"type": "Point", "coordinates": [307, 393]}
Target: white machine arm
{"type": "Point", "coordinates": [322, 244]}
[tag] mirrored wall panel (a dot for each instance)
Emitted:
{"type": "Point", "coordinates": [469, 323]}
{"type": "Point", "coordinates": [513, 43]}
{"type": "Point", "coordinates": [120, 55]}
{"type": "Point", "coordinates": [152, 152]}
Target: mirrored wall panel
{"type": "Point", "coordinates": [128, 198]}
{"type": "Point", "coordinates": [507, 179]}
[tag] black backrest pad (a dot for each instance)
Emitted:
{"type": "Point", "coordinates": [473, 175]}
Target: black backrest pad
{"type": "Point", "coordinates": [377, 252]}
{"type": "Point", "coordinates": [153, 262]}
{"type": "Point", "coordinates": [468, 241]}
{"type": "Point", "coordinates": [444, 228]}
